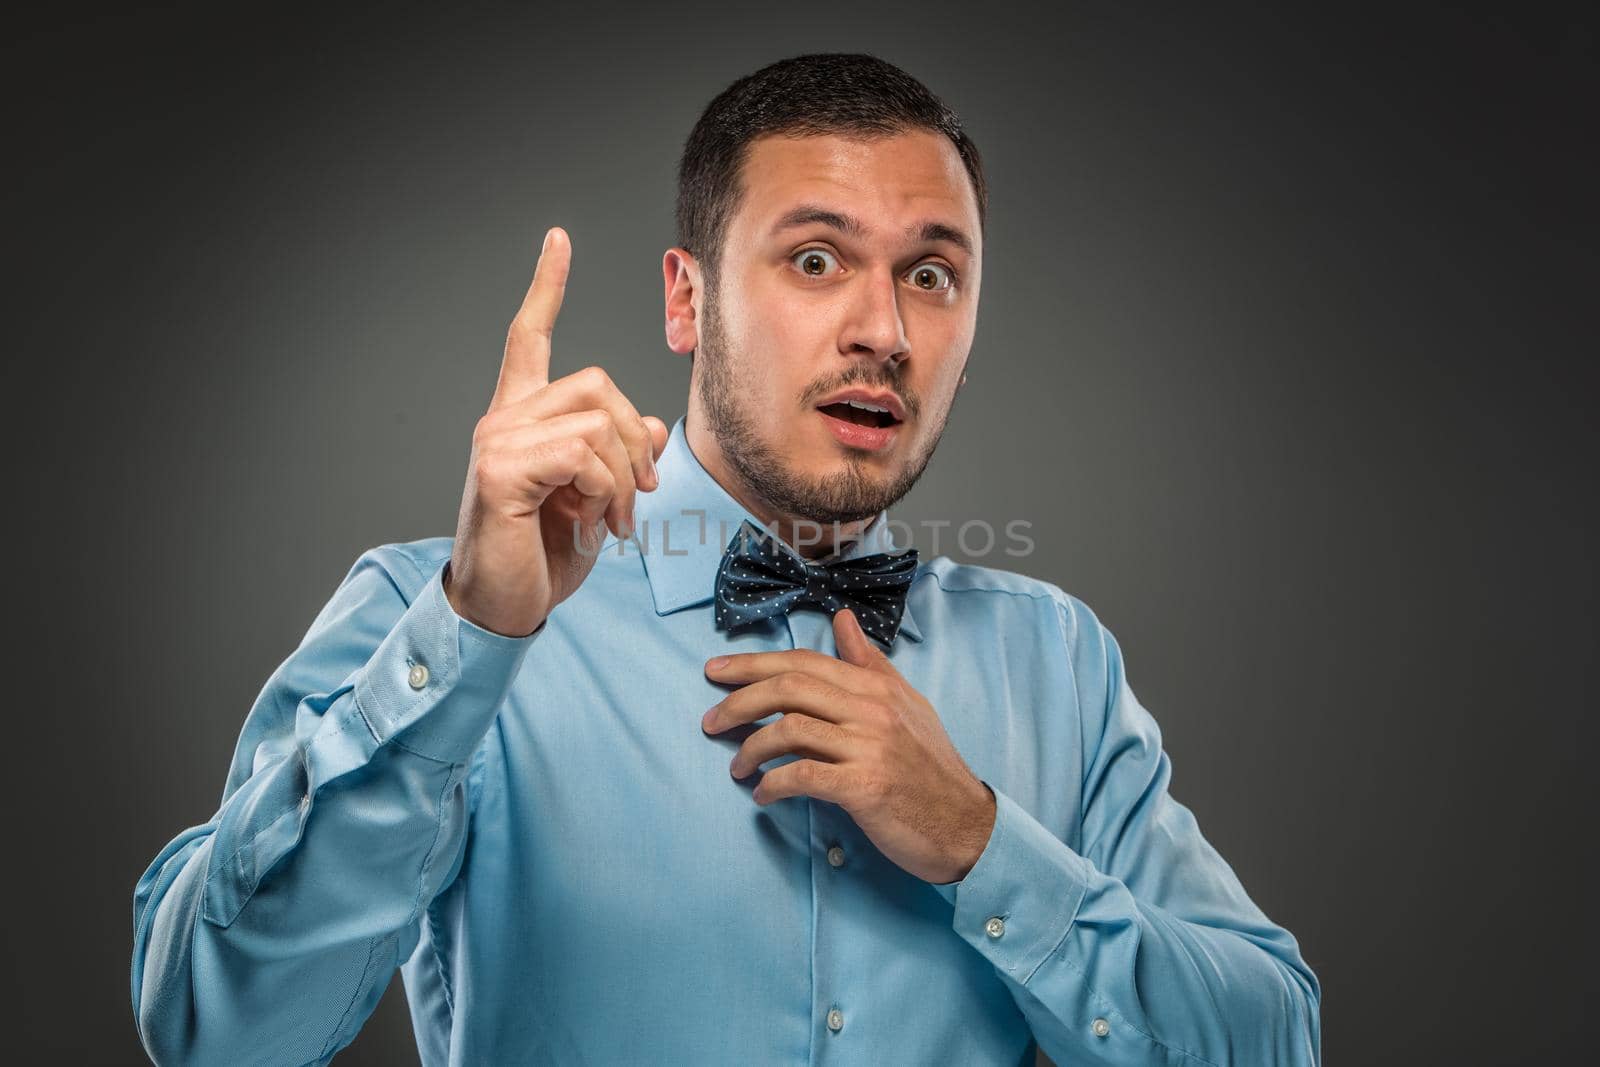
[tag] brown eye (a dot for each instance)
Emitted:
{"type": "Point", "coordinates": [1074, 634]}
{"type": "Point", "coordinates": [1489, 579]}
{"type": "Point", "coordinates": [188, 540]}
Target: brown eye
{"type": "Point", "coordinates": [812, 261]}
{"type": "Point", "coordinates": [932, 277]}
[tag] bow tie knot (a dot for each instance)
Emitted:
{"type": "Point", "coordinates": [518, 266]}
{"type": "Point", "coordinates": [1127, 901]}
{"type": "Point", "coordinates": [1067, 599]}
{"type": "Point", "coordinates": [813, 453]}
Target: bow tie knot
{"type": "Point", "coordinates": [760, 577]}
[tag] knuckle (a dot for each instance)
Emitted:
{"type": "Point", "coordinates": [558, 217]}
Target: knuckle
{"type": "Point", "coordinates": [790, 683]}
{"type": "Point", "coordinates": [572, 450]}
{"type": "Point", "coordinates": [526, 327]}
{"type": "Point", "coordinates": [877, 710]}
{"type": "Point", "coordinates": [489, 470]}
{"type": "Point", "coordinates": [815, 660]}
{"type": "Point", "coordinates": [801, 726]}
{"type": "Point", "coordinates": [596, 376]}
{"type": "Point", "coordinates": [828, 777]}
{"type": "Point", "coordinates": [873, 786]}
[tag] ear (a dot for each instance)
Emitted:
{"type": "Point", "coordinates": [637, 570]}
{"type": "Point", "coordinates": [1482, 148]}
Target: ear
{"type": "Point", "coordinates": [681, 274]}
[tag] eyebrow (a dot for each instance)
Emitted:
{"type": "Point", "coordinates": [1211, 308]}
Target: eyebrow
{"type": "Point", "coordinates": [809, 214]}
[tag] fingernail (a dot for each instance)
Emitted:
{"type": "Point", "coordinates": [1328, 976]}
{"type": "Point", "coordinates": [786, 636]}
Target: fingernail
{"type": "Point", "coordinates": [708, 720]}
{"type": "Point", "coordinates": [716, 664]}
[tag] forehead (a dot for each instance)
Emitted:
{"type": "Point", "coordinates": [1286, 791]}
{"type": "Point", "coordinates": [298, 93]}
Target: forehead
{"type": "Point", "coordinates": [887, 182]}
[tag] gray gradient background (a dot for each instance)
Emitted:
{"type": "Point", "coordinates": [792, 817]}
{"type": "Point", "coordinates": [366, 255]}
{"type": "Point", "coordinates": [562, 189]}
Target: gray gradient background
{"type": "Point", "coordinates": [1279, 350]}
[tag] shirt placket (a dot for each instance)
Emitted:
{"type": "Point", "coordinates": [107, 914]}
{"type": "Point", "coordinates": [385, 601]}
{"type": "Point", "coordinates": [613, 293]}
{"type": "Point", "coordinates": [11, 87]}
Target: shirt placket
{"type": "Point", "coordinates": [831, 843]}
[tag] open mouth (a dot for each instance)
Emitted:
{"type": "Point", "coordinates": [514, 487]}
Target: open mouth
{"type": "Point", "coordinates": [848, 411]}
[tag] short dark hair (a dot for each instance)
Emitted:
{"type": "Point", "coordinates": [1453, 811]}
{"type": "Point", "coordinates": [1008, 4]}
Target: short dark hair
{"type": "Point", "coordinates": [853, 94]}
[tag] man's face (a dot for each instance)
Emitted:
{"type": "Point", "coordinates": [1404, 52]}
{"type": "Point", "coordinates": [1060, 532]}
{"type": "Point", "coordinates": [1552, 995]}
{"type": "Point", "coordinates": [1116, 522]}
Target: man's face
{"type": "Point", "coordinates": [805, 308]}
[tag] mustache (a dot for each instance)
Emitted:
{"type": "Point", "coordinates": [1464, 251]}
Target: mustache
{"type": "Point", "coordinates": [907, 399]}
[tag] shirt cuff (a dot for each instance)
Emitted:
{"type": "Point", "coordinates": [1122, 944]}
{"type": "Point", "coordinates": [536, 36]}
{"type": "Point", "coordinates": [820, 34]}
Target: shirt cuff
{"type": "Point", "coordinates": [437, 680]}
{"type": "Point", "coordinates": [1022, 895]}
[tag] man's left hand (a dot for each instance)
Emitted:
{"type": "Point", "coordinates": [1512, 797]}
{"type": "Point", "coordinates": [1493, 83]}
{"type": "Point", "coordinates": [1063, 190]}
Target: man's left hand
{"type": "Point", "coordinates": [871, 744]}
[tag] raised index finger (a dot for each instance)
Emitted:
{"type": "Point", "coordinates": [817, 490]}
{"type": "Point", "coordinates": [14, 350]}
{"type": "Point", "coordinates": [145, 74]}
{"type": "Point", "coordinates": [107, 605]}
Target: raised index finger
{"type": "Point", "coordinates": [525, 369]}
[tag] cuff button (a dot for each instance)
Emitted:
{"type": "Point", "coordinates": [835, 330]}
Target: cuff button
{"type": "Point", "coordinates": [418, 676]}
{"type": "Point", "coordinates": [1100, 1027]}
{"type": "Point", "coordinates": [995, 927]}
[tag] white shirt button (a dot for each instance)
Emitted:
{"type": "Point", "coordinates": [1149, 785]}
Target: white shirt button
{"type": "Point", "coordinates": [835, 1020]}
{"type": "Point", "coordinates": [836, 856]}
{"type": "Point", "coordinates": [1100, 1027]}
{"type": "Point", "coordinates": [995, 927]}
{"type": "Point", "coordinates": [418, 676]}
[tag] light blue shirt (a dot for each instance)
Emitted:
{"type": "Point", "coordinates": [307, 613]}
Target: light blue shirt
{"type": "Point", "coordinates": [540, 835]}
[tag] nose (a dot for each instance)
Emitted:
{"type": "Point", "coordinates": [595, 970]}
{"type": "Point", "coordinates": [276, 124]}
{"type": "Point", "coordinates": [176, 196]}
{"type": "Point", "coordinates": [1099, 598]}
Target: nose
{"type": "Point", "coordinates": [874, 326]}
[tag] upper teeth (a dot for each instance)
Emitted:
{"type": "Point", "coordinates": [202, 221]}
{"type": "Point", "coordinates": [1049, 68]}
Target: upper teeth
{"type": "Point", "coordinates": [864, 406]}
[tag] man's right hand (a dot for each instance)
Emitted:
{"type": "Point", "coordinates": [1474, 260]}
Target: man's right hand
{"type": "Point", "coordinates": [554, 465]}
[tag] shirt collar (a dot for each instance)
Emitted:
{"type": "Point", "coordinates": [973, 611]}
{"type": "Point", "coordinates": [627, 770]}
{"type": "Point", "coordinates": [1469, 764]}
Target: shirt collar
{"type": "Point", "coordinates": [684, 527]}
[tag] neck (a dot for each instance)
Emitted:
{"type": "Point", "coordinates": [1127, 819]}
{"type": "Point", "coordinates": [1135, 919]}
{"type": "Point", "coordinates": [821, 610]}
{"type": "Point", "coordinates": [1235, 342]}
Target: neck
{"type": "Point", "coordinates": [809, 538]}
{"type": "Point", "coordinates": [814, 540]}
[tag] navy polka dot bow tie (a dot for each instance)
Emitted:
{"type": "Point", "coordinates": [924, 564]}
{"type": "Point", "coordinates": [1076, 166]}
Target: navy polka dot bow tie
{"type": "Point", "coordinates": [760, 576]}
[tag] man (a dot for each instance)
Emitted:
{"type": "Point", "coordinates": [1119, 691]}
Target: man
{"type": "Point", "coordinates": [612, 780]}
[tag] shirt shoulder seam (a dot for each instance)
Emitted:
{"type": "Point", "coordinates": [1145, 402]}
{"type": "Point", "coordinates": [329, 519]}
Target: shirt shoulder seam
{"type": "Point", "coordinates": [1043, 594]}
